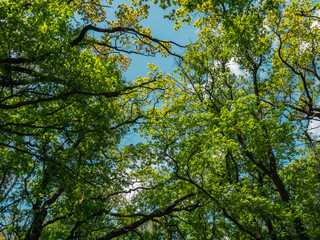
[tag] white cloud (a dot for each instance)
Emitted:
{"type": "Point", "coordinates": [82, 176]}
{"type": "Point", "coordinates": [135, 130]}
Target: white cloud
{"type": "Point", "coordinates": [314, 128]}
{"type": "Point", "coordinates": [235, 68]}
{"type": "Point", "coordinates": [315, 24]}
{"type": "Point", "coordinates": [132, 190]}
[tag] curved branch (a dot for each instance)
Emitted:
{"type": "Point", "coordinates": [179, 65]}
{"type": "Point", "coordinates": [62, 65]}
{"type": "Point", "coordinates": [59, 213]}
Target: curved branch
{"type": "Point", "coordinates": [123, 29]}
{"type": "Point", "coordinates": [158, 213]}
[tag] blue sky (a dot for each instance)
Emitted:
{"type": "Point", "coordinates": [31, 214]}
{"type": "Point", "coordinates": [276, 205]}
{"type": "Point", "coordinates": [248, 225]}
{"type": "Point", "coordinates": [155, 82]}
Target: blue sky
{"type": "Point", "coordinates": [162, 29]}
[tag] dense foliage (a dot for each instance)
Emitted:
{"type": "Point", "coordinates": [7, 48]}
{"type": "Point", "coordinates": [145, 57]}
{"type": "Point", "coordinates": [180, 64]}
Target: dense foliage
{"type": "Point", "coordinates": [231, 148]}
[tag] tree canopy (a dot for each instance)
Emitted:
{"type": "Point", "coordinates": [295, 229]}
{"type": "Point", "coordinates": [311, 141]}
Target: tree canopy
{"type": "Point", "coordinates": [231, 140]}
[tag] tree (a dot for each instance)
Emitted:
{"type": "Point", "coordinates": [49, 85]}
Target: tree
{"type": "Point", "coordinates": [236, 128]}
{"type": "Point", "coordinates": [230, 151]}
{"type": "Point", "coordinates": [65, 108]}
